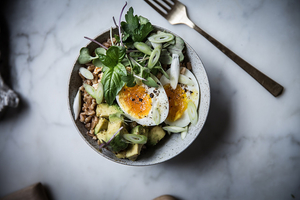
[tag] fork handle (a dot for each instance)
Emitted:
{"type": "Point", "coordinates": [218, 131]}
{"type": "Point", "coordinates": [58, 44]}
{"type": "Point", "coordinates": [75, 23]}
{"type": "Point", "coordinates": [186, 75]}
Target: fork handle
{"type": "Point", "coordinates": [273, 87]}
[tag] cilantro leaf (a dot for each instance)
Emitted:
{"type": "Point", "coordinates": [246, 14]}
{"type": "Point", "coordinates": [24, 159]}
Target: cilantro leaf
{"type": "Point", "coordinates": [142, 32]}
{"type": "Point", "coordinates": [132, 22]}
{"type": "Point", "coordinates": [135, 28]}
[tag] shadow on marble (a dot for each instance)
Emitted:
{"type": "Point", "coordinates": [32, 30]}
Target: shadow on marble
{"type": "Point", "coordinates": [5, 70]}
{"type": "Point", "coordinates": [213, 132]}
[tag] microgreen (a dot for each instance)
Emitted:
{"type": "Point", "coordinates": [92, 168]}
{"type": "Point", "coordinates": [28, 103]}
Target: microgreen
{"type": "Point", "coordinates": [84, 56]}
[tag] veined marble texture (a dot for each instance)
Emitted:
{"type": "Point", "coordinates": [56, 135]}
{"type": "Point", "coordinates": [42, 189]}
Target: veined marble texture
{"type": "Point", "coordinates": [249, 147]}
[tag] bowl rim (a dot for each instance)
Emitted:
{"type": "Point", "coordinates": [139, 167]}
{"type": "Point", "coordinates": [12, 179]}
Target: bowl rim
{"type": "Point", "coordinates": [127, 161]}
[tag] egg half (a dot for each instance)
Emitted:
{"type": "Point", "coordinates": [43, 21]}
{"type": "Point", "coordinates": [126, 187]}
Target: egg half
{"type": "Point", "coordinates": [146, 105]}
{"type": "Point", "coordinates": [179, 99]}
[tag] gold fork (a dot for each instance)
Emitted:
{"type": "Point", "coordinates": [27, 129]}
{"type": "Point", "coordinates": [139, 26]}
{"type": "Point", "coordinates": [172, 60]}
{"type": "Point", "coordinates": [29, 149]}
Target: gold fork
{"type": "Point", "coordinates": [177, 14]}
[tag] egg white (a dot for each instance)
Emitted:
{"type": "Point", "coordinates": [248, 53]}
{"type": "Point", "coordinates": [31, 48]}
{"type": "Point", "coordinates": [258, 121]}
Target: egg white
{"type": "Point", "coordinates": [159, 101]}
{"type": "Point", "coordinates": [192, 94]}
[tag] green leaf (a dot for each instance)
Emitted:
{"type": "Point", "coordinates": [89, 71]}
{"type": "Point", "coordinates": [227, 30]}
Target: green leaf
{"type": "Point", "coordinates": [112, 84]}
{"type": "Point", "coordinates": [165, 57]}
{"type": "Point", "coordinates": [129, 80]}
{"type": "Point", "coordinates": [140, 34]}
{"type": "Point", "coordinates": [120, 69]}
{"type": "Point", "coordinates": [177, 48]}
{"type": "Point", "coordinates": [100, 50]}
{"type": "Point", "coordinates": [98, 63]}
{"type": "Point", "coordinates": [132, 22]}
{"type": "Point", "coordinates": [113, 56]}
{"type": "Point", "coordinates": [135, 28]}
{"type": "Point", "coordinates": [84, 56]}
{"type": "Point", "coordinates": [143, 20]}
{"type": "Point", "coordinates": [150, 82]}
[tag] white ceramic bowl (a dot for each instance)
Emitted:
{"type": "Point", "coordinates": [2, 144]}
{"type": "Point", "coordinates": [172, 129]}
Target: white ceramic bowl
{"type": "Point", "coordinates": [171, 145]}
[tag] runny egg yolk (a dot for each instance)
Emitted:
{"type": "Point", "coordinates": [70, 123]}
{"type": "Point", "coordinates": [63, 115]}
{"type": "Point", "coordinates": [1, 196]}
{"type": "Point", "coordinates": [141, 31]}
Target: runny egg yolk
{"type": "Point", "coordinates": [135, 101]}
{"type": "Point", "coordinates": [177, 102]}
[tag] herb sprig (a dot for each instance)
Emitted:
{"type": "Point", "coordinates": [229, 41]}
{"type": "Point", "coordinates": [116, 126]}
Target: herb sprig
{"type": "Point", "coordinates": [131, 60]}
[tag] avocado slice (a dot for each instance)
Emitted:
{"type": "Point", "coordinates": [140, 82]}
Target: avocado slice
{"type": "Point", "coordinates": [117, 144]}
{"type": "Point", "coordinates": [134, 150]}
{"type": "Point", "coordinates": [102, 125]}
{"type": "Point", "coordinates": [155, 135]}
{"type": "Point", "coordinates": [104, 110]}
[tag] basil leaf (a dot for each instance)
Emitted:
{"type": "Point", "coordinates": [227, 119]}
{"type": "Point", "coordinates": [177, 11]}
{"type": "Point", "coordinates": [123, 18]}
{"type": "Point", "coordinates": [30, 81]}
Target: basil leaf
{"type": "Point", "coordinates": [114, 54]}
{"type": "Point", "coordinates": [120, 69]}
{"type": "Point", "coordinates": [112, 84]}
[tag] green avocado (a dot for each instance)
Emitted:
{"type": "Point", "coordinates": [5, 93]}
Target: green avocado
{"type": "Point", "coordinates": [155, 135]}
{"type": "Point", "coordinates": [104, 110]}
{"type": "Point", "coordinates": [102, 125]}
{"type": "Point", "coordinates": [117, 144]}
{"type": "Point", "coordinates": [134, 149]}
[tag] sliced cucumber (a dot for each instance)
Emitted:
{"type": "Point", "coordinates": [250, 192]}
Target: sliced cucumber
{"type": "Point", "coordinates": [136, 139]}
{"type": "Point", "coordinates": [86, 73]}
{"type": "Point", "coordinates": [142, 47]}
{"type": "Point", "coordinates": [161, 37]}
{"type": "Point", "coordinates": [192, 112]}
{"type": "Point", "coordinates": [99, 93]}
{"type": "Point", "coordinates": [89, 89]}
{"type": "Point", "coordinates": [154, 57]}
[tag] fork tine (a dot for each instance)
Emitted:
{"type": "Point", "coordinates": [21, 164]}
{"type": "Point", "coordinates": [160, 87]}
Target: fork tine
{"type": "Point", "coordinates": [168, 3]}
{"type": "Point", "coordinates": [155, 8]}
{"type": "Point", "coordinates": [161, 5]}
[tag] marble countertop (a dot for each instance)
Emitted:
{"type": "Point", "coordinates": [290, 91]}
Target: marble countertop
{"type": "Point", "coordinates": [249, 147]}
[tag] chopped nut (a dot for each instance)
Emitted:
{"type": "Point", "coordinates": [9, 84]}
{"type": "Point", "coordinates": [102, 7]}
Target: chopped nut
{"type": "Point", "coordinates": [189, 65]}
{"type": "Point", "coordinates": [82, 117]}
{"type": "Point", "coordinates": [97, 70]}
{"type": "Point", "coordinates": [182, 70]}
{"type": "Point", "coordinates": [106, 44]}
{"type": "Point", "coordinates": [91, 68]}
{"type": "Point", "coordinates": [95, 121]}
{"type": "Point", "coordinates": [88, 119]}
{"type": "Point", "coordinates": [88, 126]}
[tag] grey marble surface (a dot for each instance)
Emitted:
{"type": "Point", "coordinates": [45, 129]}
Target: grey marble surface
{"type": "Point", "coordinates": [249, 147]}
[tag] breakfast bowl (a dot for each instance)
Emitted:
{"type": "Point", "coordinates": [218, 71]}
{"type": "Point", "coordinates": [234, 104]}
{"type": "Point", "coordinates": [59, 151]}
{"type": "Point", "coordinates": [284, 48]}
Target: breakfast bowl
{"type": "Point", "coordinates": [173, 143]}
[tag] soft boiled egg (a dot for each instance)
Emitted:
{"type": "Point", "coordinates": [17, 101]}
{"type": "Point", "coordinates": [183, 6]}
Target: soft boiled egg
{"type": "Point", "coordinates": [187, 90]}
{"type": "Point", "coordinates": [146, 105]}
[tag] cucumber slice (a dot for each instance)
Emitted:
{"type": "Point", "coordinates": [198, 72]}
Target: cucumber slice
{"type": "Point", "coordinates": [136, 139]}
{"type": "Point", "coordinates": [161, 37]}
{"type": "Point", "coordinates": [154, 57]}
{"type": "Point", "coordinates": [89, 89]}
{"type": "Point", "coordinates": [175, 129]}
{"type": "Point", "coordinates": [86, 73]}
{"type": "Point", "coordinates": [192, 112]}
{"type": "Point", "coordinates": [99, 93]}
{"type": "Point", "coordinates": [142, 47]}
